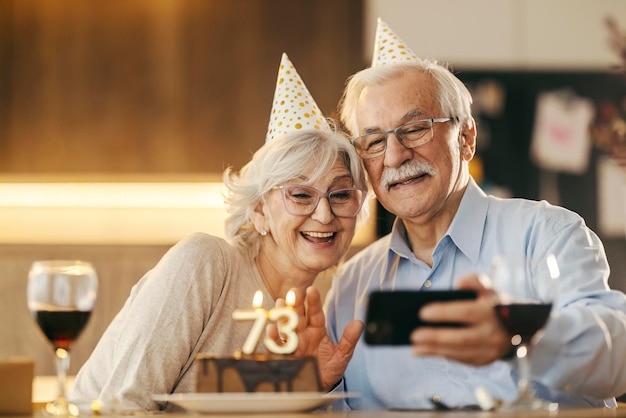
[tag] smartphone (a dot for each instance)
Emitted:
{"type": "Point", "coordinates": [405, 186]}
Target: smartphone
{"type": "Point", "coordinates": [391, 316]}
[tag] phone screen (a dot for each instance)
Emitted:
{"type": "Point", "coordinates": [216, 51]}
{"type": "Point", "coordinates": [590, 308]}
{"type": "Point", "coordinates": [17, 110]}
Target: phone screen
{"type": "Point", "coordinates": [392, 315]}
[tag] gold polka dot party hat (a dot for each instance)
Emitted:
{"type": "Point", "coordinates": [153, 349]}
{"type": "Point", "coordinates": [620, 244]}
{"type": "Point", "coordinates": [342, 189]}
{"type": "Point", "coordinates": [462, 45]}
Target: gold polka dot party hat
{"type": "Point", "coordinates": [389, 48]}
{"type": "Point", "coordinates": [293, 107]}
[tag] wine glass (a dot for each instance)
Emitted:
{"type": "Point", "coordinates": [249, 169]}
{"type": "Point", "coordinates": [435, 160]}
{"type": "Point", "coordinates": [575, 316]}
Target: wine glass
{"type": "Point", "coordinates": [61, 296]}
{"type": "Point", "coordinates": [526, 288]}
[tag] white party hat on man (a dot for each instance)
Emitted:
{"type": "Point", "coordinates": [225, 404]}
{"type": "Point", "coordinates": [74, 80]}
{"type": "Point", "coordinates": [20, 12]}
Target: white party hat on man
{"type": "Point", "coordinates": [293, 108]}
{"type": "Point", "coordinates": [389, 48]}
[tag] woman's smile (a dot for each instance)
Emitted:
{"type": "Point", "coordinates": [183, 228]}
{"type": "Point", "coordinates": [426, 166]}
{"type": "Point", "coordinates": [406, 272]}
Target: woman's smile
{"type": "Point", "coordinates": [318, 237]}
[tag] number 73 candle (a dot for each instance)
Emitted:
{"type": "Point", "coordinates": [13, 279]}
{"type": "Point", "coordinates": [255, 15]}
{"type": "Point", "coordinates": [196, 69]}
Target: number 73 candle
{"type": "Point", "coordinates": [286, 320]}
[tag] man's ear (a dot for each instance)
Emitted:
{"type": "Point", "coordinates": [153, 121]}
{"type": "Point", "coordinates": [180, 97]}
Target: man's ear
{"type": "Point", "coordinates": [468, 139]}
{"type": "Point", "coordinates": [258, 217]}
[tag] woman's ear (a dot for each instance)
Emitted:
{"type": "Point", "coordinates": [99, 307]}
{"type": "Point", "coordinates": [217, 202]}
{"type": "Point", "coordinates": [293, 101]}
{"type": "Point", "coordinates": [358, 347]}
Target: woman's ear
{"type": "Point", "coordinates": [258, 218]}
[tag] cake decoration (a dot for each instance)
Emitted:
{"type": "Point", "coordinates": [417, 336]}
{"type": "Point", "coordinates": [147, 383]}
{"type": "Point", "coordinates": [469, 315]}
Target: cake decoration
{"type": "Point", "coordinates": [285, 318]}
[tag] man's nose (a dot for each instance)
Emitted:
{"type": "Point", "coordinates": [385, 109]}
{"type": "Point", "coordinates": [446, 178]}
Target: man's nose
{"type": "Point", "coordinates": [395, 153]}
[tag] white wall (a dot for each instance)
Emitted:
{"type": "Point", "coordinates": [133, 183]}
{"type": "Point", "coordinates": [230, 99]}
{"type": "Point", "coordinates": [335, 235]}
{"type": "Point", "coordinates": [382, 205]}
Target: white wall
{"type": "Point", "coordinates": [502, 34]}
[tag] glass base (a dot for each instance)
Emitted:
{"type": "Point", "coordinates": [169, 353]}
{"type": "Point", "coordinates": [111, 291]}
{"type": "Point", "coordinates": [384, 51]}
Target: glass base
{"type": "Point", "coordinates": [529, 404]}
{"type": "Point", "coordinates": [61, 408]}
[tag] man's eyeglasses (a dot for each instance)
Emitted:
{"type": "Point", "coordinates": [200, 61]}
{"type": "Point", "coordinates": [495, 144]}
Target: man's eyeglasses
{"type": "Point", "coordinates": [411, 135]}
{"type": "Point", "coordinates": [302, 200]}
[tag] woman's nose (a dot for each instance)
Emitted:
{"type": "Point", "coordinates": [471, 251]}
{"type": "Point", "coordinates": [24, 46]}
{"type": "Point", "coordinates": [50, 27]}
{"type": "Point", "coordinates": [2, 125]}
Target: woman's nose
{"type": "Point", "coordinates": [323, 212]}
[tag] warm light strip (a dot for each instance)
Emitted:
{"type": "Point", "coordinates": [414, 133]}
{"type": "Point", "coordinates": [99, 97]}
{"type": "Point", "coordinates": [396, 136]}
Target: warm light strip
{"type": "Point", "coordinates": [115, 213]}
{"type": "Point", "coordinates": [112, 195]}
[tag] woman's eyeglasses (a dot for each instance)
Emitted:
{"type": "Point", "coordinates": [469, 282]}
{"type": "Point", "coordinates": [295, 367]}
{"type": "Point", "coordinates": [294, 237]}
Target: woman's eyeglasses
{"type": "Point", "coordinates": [302, 200]}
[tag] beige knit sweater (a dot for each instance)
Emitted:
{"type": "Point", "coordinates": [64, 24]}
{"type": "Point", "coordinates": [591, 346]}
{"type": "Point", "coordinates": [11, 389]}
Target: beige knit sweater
{"type": "Point", "coordinates": [183, 306]}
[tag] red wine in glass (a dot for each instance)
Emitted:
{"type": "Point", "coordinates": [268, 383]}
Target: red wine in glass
{"type": "Point", "coordinates": [61, 296]}
{"type": "Point", "coordinates": [526, 286]}
{"type": "Point", "coordinates": [524, 319]}
{"type": "Point", "coordinates": [61, 327]}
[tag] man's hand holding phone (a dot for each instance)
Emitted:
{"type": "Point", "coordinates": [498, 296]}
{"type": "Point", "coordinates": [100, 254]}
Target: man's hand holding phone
{"type": "Point", "coordinates": [393, 315]}
{"type": "Point", "coordinates": [464, 329]}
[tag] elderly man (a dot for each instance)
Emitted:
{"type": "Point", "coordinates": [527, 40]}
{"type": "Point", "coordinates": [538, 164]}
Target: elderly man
{"type": "Point", "coordinates": [411, 123]}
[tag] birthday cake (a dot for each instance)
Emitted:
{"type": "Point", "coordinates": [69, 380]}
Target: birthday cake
{"type": "Point", "coordinates": [257, 373]}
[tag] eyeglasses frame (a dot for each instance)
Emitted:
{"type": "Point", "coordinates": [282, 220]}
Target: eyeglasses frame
{"type": "Point", "coordinates": [320, 195]}
{"type": "Point", "coordinates": [399, 138]}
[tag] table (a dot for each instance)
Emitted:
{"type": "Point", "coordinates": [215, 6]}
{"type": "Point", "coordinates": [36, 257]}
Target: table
{"type": "Point", "coordinates": [45, 388]}
{"type": "Point", "coordinates": [563, 413]}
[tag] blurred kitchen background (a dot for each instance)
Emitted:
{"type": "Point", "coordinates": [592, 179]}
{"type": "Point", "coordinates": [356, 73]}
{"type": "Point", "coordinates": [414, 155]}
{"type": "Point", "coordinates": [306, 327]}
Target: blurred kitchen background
{"type": "Point", "coordinates": [117, 119]}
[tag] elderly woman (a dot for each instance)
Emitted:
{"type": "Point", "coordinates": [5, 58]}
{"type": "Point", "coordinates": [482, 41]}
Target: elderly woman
{"type": "Point", "coordinates": [293, 213]}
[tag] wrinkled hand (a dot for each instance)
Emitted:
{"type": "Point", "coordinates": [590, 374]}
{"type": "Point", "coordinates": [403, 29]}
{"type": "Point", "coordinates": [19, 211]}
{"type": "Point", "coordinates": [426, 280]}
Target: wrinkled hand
{"type": "Point", "coordinates": [481, 342]}
{"type": "Point", "coordinates": [314, 340]}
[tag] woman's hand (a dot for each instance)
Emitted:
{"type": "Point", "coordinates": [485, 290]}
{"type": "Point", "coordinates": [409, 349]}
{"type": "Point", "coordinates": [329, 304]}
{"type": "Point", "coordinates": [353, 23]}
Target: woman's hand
{"type": "Point", "coordinates": [314, 340]}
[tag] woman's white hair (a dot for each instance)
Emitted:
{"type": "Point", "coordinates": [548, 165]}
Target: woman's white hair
{"type": "Point", "coordinates": [312, 152]}
{"type": "Point", "coordinates": [454, 97]}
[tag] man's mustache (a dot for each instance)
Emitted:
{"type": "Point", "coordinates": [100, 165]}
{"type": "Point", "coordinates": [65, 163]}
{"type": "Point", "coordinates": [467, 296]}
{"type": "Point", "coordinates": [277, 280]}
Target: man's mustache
{"type": "Point", "coordinates": [409, 169]}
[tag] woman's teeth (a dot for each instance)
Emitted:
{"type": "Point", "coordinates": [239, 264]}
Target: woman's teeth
{"type": "Point", "coordinates": [319, 234]}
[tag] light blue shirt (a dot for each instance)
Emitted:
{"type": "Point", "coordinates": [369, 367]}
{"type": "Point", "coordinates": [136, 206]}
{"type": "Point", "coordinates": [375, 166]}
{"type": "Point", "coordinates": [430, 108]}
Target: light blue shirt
{"type": "Point", "coordinates": [583, 350]}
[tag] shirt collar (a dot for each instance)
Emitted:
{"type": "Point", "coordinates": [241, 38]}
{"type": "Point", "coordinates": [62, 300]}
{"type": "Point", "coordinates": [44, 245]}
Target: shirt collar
{"type": "Point", "coordinates": [399, 242]}
{"type": "Point", "coordinates": [466, 229]}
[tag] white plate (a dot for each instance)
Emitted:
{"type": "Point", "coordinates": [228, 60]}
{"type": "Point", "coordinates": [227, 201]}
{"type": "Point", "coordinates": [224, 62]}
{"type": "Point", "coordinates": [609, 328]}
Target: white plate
{"type": "Point", "coordinates": [251, 402]}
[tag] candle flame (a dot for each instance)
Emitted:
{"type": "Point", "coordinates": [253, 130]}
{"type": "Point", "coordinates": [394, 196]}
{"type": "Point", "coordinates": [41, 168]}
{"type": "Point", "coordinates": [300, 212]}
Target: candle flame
{"type": "Point", "coordinates": [257, 301]}
{"type": "Point", "coordinates": [291, 298]}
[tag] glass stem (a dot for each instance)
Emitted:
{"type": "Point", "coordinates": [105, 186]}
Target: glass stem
{"type": "Point", "coordinates": [63, 365]}
{"type": "Point", "coordinates": [523, 367]}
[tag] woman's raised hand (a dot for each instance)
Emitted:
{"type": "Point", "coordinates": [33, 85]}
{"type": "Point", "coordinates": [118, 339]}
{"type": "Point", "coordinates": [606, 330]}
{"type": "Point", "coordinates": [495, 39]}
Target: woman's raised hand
{"type": "Point", "coordinates": [314, 340]}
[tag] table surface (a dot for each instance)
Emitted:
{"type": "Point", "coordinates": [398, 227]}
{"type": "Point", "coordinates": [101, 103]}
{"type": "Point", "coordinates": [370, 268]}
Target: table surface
{"type": "Point", "coordinates": [45, 388]}
{"type": "Point", "coordinates": [562, 413]}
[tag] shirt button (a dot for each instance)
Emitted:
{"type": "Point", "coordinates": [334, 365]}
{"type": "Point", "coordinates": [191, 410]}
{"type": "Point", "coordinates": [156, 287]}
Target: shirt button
{"type": "Point", "coordinates": [428, 284]}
